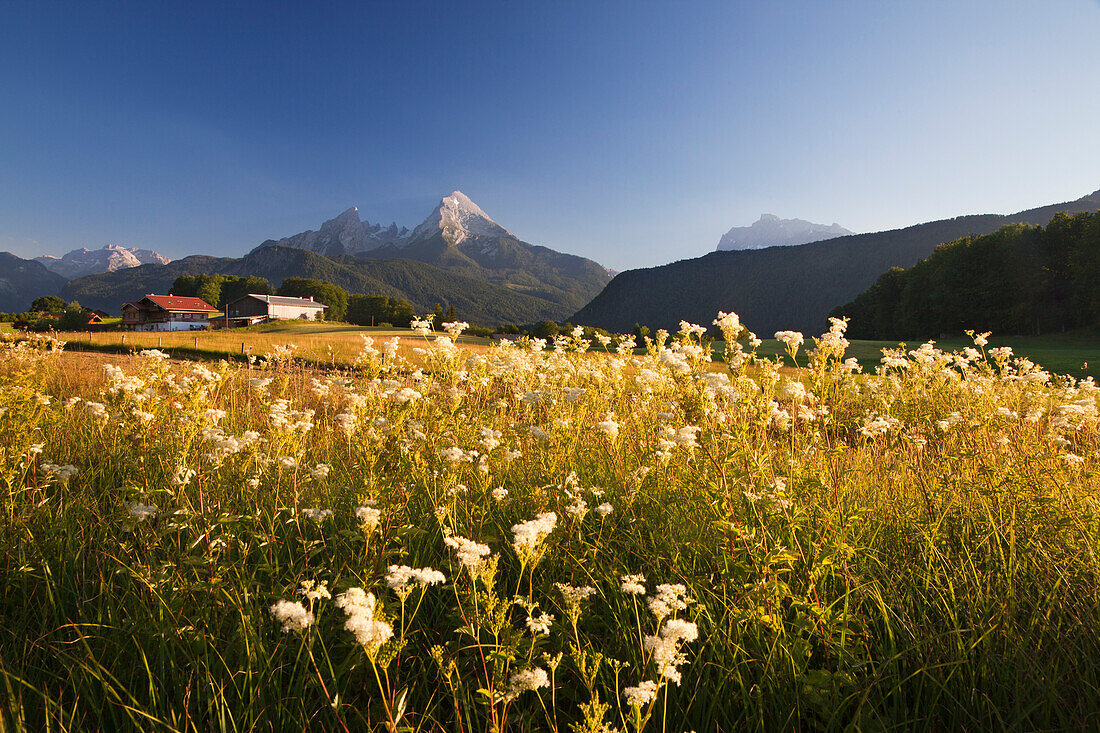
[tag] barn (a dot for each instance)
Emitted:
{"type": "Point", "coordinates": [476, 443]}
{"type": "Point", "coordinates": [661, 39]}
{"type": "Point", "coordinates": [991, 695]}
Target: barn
{"type": "Point", "coordinates": [254, 308]}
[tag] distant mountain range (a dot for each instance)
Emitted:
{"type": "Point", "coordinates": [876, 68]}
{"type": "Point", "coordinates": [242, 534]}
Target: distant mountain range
{"type": "Point", "coordinates": [784, 287]}
{"type": "Point", "coordinates": [461, 238]}
{"type": "Point", "coordinates": [111, 257]}
{"type": "Point", "coordinates": [475, 299]}
{"type": "Point", "coordinates": [458, 256]}
{"type": "Point", "coordinates": [771, 231]}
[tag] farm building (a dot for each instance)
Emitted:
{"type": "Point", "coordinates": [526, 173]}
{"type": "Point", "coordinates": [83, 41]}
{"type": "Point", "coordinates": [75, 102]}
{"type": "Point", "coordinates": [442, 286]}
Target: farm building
{"type": "Point", "coordinates": [253, 308]}
{"type": "Point", "coordinates": [167, 313]}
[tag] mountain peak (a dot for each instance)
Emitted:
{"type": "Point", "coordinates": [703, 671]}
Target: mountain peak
{"type": "Point", "coordinates": [459, 218]}
{"type": "Point", "coordinates": [350, 216]}
{"type": "Point", "coordinates": [458, 201]}
{"type": "Point", "coordinates": [772, 231]}
{"type": "Point", "coordinates": [111, 257]}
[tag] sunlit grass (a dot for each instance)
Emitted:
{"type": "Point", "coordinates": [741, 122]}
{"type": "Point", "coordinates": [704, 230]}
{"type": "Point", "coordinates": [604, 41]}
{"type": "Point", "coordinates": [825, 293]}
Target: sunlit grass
{"type": "Point", "coordinates": [320, 343]}
{"type": "Point", "coordinates": [819, 548]}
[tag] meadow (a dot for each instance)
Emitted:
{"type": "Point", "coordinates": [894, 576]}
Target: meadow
{"type": "Point", "coordinates": [436, 536]}
{"type": "Point", "coordinates": [338, 344]}
{"type": "Point", "coordinates": [319, 343]}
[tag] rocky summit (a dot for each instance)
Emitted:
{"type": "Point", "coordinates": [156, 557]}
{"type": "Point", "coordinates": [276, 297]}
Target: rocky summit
{"type": "Point", "coordinates": [771, 231]}
{"type": "Point", "coordinates": [111, 257]}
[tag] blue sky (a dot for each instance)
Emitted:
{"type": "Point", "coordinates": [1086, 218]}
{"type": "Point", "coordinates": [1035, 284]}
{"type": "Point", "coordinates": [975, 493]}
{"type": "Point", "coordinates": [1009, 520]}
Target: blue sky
{"type": "Point", "coordinates": [634, 133]}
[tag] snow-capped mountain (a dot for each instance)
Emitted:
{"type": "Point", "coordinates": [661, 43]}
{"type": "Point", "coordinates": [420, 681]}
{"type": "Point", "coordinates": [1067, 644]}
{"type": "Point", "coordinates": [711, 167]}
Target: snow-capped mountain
{"type": "Point", "coordinates": [771, 231]}
{"type": "Point", "coordinates": [456, 218]}
{"type": "Point", "coordinates": [459, 236]}
{"type": "Point", "coordinates": [111, 257]}
{"type": "Point", "coordinates": [346, 234]}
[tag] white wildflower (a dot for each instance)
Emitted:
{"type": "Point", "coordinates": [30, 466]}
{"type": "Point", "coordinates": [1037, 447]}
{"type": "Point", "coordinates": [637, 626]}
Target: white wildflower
{"type": "Point", "coordinates": [526, 680]}
{"type": "Point", "coordinates": [608, 427]}
{"type": "Point", "coordinates": [402, 578]}
{"type": "Point", "coordinates": [633, 584]}
{"type": "Point", "coordinates": [369, 518]}
{"type": "Point", "coordinates": [97, 410]}
{"type": "Point", "coordinates": [529, 536]}
{"type": "Point", "coordinates": [540, 624]}
{"type": "Point", "coordinates": [363, 620]}
{"type": "Point", "coordinates": [312, 590]}
{"type": "Point", "coordinates": [141, 512]}
{"type": "Point", "coordinates": [578, 509]}
{"type": "Point", "coordinates": [471, 554]}
{"type": "Point", "coordinates": [792, 339]}
{"type": "Point", "coordinates": [317, 515]}
{"type": "Point", "coordinates": [668, 599]}
{"type": "Point", "coordinates": [641, 695]}
{"type": "Point", "coordinates": [292, 615]}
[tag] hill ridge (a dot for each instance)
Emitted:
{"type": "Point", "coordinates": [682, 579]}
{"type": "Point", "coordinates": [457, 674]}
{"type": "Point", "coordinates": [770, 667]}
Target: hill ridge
{"type": "Point", "coordinates": [785, 287]}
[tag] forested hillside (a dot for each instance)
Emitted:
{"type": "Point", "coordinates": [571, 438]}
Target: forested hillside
{"type": "Point", "coordinates": [1019, 280]}
{"type": "Point", "coordinates": [21, 281]}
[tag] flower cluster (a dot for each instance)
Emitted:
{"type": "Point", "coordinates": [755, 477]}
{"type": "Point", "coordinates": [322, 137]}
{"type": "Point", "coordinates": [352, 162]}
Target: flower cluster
{"type": "Point", "coordinates": [364, 620]}
{"type": "Point", "coordinates": [529, 536]}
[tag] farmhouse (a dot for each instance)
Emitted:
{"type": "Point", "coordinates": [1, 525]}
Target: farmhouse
{"type": "Point", "coordinates": [167, 313]}
{"type": "Point", "coordinates": [253, 308]}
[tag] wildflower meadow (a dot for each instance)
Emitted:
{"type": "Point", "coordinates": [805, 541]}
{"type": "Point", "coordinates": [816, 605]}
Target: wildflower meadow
{"type": "Point", "coordinates": [551, 536]}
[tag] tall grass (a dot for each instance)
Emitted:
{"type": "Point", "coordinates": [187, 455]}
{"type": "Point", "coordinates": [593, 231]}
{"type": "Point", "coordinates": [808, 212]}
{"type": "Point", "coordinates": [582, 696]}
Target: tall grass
{"type": "Point", "coordinates": [821, 549]}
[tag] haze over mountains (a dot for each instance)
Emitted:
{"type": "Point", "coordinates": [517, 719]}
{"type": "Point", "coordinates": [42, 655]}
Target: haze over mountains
{"type": "Point", "coordinates": [771, 231]}
{"type": "Point", "coordinates": [785, 287]}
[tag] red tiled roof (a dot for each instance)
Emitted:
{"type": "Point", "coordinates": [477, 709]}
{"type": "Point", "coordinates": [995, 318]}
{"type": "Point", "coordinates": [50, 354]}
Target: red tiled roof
{"type": "Point", "coordinates": [180, 303]}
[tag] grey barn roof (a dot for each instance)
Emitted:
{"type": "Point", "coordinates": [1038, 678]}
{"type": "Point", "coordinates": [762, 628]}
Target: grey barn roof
{"type": "Point", "coordinates": [285, 300]}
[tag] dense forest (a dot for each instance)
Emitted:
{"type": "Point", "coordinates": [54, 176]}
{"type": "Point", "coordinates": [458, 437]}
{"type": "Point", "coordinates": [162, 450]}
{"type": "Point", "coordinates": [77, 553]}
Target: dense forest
{"type": "Point", "coordinates": [1019, 280]}
{"type": "Point", "coordinates": [220, 290]}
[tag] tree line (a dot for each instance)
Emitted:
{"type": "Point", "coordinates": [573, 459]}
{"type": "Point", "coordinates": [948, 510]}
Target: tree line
{"type": "Point", "coordinates": [355, 308]}
{"type": "Point", "coordinates": [362, 310]}
{"type": "Point", "coordinates": [1019, 280]}
{"type": "Point", "coordinates": [50, 313]}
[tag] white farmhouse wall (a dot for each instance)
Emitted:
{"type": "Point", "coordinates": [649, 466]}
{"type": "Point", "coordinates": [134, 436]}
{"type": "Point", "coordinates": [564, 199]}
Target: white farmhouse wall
{"type": "Point", "coordinates": [173, 326]}
{"type": "Point", "coordinates": [292, 312]}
